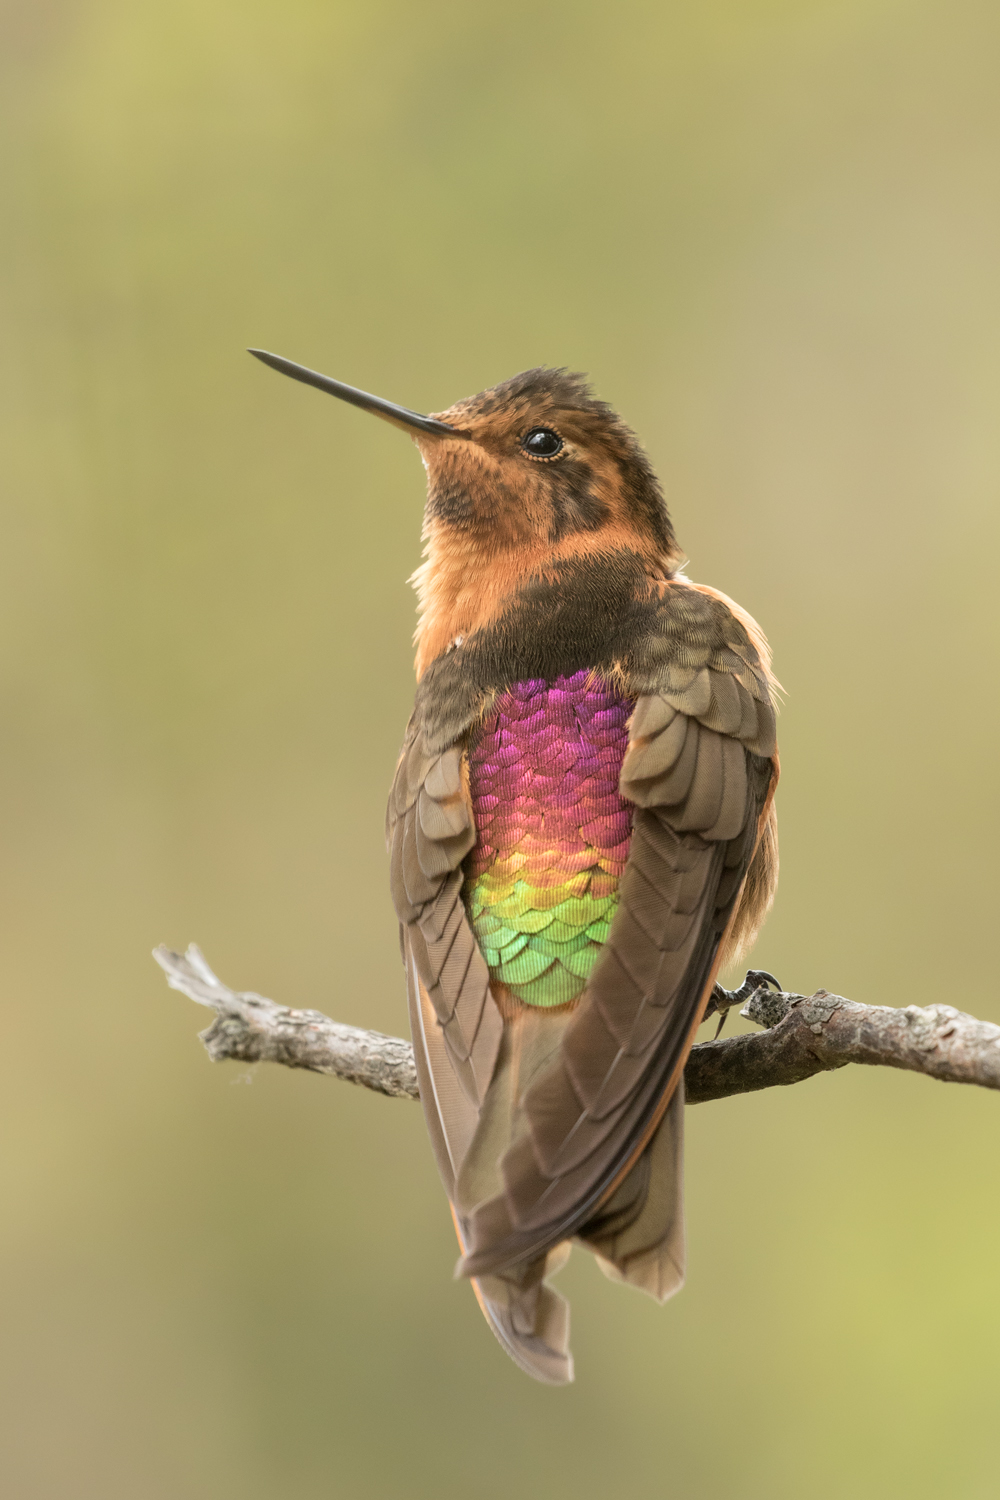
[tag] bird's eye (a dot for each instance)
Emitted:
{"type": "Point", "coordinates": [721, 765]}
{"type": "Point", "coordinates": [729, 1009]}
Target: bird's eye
{"type": "Point", "coordinates": [541, 442]}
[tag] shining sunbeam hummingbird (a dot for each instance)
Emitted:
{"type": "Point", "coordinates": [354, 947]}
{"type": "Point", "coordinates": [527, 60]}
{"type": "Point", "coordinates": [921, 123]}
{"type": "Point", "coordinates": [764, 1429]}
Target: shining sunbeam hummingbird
{"type": "Point", "coordinates": [581, 831]}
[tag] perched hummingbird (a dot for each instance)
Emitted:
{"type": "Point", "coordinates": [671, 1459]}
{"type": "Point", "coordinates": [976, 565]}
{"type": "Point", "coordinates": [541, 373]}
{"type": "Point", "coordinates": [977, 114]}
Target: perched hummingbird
{"type": "Point", "coordinates": [582, 832]}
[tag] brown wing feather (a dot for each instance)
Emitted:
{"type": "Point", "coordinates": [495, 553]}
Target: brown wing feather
{"type": "Point", "coordinates": [456, 1027]}
{"type": "Point", "coordinates": [430, 830]}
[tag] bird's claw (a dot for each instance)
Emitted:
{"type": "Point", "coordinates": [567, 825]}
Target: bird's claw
{"type": "Point", "coordinates": [722, 1000]}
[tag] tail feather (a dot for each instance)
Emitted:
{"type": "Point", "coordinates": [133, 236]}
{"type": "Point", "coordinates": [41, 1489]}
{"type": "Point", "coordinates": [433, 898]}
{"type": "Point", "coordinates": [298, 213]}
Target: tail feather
{"type": "Point", "coordinates": [638, 1237]}
{"type": "Point", "coordinates": [529, 1319]}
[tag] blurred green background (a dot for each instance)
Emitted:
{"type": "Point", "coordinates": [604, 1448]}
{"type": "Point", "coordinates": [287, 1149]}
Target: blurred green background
{"type": "Point", "coordinates": [770, 229]}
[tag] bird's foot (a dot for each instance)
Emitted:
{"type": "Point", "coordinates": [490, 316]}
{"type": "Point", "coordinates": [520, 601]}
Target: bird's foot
{"type": "Point", "coordinates": [722, 1000]}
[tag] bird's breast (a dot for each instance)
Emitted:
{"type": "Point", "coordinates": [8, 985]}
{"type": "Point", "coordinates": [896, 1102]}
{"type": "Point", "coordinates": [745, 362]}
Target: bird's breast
{"type": "Point", "coordinates": [553, 833]}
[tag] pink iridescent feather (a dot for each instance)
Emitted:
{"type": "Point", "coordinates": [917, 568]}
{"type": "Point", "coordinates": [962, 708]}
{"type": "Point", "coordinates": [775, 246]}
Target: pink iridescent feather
{"type": "Point", "coordinates": [553, 833]}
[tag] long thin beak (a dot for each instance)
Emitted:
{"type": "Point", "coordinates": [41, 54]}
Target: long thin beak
{"type": "Point", "coordinates": [400, 416]}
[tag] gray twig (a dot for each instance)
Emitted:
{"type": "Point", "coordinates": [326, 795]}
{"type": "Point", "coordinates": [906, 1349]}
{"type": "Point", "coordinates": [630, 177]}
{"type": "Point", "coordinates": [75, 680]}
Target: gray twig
{"type": "Point", "coordinates": [803, 1035]}
{"type": "Point", "coordinates": [249, 1028]}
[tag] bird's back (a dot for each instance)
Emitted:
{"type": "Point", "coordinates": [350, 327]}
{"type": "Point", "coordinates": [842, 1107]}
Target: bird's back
{"type": "Point", "coordinates": [552, 833]}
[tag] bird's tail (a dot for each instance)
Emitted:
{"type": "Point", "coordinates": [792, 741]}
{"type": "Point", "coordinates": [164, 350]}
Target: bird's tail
{"type": "Point", "coordinates": [529, 1318]}
{"type": "Point", "coordinates": [637, 1237]}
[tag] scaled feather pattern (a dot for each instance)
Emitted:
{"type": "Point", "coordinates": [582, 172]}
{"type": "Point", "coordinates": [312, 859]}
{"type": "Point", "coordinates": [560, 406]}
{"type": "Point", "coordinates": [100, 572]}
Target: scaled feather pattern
{"type": "Point", "coordinates": [553, 833]}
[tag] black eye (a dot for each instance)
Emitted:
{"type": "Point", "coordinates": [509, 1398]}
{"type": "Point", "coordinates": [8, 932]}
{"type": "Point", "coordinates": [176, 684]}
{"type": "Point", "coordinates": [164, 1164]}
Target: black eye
{"type": "Point", "coordinates": [541, 442]}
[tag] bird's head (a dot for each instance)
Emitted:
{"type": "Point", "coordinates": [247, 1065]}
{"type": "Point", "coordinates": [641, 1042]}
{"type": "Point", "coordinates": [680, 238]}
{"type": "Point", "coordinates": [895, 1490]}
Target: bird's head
{"type": "Point", "coordinates": [531, 473]}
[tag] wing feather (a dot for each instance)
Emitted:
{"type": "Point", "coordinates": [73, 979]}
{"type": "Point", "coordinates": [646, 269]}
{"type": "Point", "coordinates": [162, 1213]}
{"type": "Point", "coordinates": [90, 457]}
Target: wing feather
{"type": "Point", "coordinates": [430, 830]}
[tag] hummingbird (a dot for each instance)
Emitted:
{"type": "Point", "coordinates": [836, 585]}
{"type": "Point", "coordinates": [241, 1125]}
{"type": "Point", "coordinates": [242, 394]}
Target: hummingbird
{"type": "Point", "coordinates": [581, 833]}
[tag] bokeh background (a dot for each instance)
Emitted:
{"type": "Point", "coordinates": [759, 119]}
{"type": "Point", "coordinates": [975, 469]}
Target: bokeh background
{"type": "Point", "coordinates": [770, 229]}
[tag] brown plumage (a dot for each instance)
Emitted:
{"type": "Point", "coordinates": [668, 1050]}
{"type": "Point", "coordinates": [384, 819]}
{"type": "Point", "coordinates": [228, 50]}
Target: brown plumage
{"type": "Point", "coordinates": [550, 1045]}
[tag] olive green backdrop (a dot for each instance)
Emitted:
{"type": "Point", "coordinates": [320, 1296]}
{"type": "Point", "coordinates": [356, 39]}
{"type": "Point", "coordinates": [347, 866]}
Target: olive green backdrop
{"type": "Point", "coordinates": [770, 229]}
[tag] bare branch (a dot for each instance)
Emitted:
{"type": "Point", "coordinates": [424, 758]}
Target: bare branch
{"type": "Point", "coordinates": [249, 1028]}
{"type": "Point", "coordinates": [803, 1035]}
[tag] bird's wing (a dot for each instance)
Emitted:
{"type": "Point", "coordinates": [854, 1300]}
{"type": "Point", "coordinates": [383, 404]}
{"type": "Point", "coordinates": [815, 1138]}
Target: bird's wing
{"type": "Point", "coordinates": [455, 1024]}
{"type": "Point", "coordinates": [456, 1027]}
{"type": "Point", "coordinates": [699, 770]}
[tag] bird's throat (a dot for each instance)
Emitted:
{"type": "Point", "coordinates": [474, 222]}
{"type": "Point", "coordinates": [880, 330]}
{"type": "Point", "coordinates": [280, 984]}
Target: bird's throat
{"type": "Point", "coordinates": [462, 586]}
